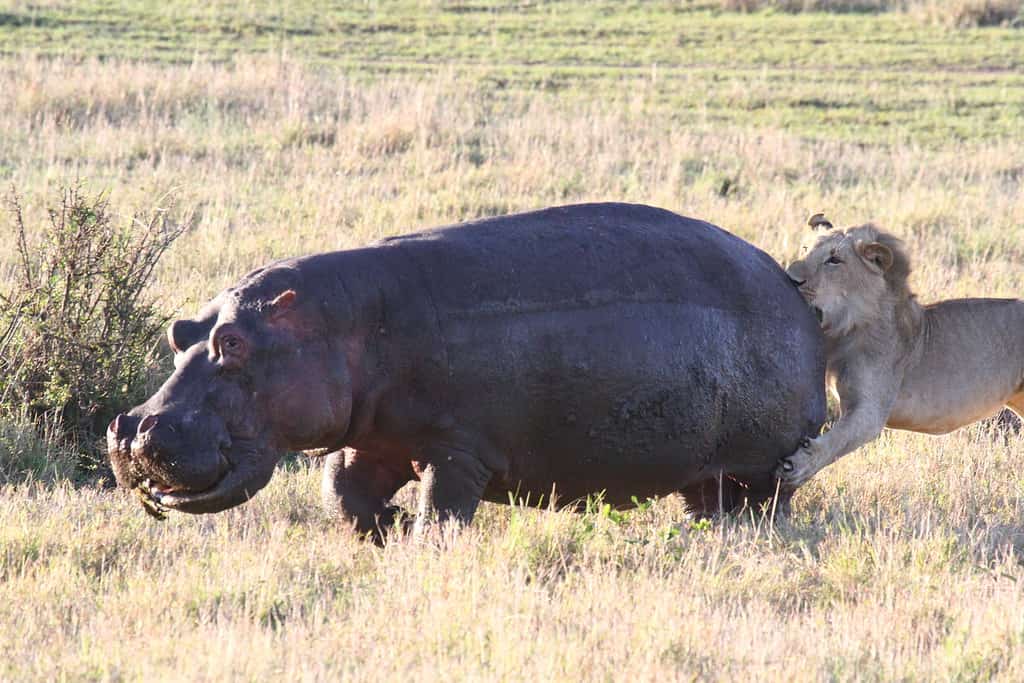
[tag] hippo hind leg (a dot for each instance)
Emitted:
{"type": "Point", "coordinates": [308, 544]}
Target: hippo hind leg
{"type": "Point", "coordinates": [764, 493]}
{"type": "Point", "coordinates": [357, 487]}
{"type": "Point", "coordinates": [719, 495]}
{"type": "Point", "coordinates": [452, 483]}
{"type": "Point", "coordinates": [724, 495]}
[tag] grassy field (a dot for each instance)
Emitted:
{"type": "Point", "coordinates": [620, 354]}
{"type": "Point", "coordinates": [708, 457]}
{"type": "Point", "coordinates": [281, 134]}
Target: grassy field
{"type": "Point", "coordinates": [288, 130]}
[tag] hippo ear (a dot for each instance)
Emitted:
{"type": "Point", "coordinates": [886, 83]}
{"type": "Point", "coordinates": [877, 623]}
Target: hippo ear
{"type": "Point", "coordinates": [280, 309]}
{"type": "Point", "coordinates": [181, 334]}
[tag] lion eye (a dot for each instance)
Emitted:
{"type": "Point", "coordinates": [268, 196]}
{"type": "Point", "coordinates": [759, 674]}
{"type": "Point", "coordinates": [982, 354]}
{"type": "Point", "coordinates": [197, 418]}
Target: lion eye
{"type": "Point", "coordinates": [834, 260]}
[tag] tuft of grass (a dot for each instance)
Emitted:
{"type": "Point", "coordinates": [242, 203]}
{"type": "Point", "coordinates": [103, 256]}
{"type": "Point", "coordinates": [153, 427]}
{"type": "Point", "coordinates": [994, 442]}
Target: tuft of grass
{"type": "Point", "coordinates": [968, 13]}
{"type": "Point", "coordinates": [33, 450]}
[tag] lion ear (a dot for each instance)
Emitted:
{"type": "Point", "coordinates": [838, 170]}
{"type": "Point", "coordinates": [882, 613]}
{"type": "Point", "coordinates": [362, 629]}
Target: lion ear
{"type": "Point", "coordinates": [818, 220]}
{"type": "Point", "coordinates": [878, 256]}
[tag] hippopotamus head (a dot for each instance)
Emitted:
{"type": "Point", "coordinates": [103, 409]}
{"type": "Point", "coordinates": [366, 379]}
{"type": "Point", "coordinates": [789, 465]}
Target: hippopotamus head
{"type": "Point", "coordinates": [254, 376]}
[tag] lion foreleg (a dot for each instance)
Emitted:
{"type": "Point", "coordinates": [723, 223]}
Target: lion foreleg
{"type": "Point", "coordinates": [862, 419]}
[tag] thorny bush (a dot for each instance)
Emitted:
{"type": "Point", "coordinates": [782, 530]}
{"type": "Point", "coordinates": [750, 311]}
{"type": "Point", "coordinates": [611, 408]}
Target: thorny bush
{"type": "Point", "coordinates": [78, 332]}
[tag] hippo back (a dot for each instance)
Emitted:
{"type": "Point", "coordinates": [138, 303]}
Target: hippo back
{"type": "Point", "coordinates": [589, 255]}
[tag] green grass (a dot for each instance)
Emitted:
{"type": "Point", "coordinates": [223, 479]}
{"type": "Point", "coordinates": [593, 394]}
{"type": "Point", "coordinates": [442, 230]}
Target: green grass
{"type": "Point", "coordinates": [330, 128]}
{"type": "Point", "coordinates": [867, 77]}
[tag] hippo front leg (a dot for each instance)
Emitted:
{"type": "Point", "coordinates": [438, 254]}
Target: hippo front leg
{"type": "Point", "coordinates": [357, 487]}
{"type": "Point", "coordinates": [451, 485]}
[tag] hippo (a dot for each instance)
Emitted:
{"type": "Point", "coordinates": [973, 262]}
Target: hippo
{"type": "Point", "coordinates": [611, 349]}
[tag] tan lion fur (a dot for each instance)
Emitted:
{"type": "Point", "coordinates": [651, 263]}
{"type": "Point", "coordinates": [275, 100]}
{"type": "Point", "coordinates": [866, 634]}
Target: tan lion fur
{"type": "Point", "coordinates": [893, 362]}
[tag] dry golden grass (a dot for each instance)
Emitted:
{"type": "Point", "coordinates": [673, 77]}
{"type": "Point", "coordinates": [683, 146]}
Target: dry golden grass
{"type": "Point", "coordinates": [902, 562]}
{"type": "Point", "coordinates": [279, 159]}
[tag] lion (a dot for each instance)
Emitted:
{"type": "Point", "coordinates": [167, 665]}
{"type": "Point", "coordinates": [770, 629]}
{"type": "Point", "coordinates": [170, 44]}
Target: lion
{"type": "Point", "coordinates": [892, 362]}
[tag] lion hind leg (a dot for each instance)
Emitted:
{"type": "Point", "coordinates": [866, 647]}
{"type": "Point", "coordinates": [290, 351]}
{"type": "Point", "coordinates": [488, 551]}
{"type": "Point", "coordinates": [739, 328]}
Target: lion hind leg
{"type": "Point", "coordinates": [1016, 404]}
{"type": "Point", "coordinates": [1013, 417]}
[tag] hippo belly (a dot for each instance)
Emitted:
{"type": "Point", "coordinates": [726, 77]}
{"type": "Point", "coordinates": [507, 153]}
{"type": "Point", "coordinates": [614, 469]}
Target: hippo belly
{"type": "Point", "coordinates": [630, 399]}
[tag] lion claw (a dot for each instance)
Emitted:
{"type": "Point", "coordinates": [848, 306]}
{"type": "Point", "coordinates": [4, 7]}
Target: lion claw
{"type": "Point", "coordinates": [794, 470]}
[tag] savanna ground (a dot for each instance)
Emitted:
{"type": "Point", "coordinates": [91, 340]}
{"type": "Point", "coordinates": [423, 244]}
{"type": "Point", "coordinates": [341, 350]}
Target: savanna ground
{"type": "Point", "coordinates": [286, 130]}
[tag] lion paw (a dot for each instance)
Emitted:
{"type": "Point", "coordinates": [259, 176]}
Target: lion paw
{"type": "Point", "coordinates": [794, 470]}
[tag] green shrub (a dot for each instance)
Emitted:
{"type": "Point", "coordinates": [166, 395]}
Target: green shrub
{"type": "Point", "coordinates": [77, 330]}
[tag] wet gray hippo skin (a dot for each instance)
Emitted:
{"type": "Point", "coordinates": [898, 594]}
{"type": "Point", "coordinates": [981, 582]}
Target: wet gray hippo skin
{"type": "Point", "coordinates": [578, 349]}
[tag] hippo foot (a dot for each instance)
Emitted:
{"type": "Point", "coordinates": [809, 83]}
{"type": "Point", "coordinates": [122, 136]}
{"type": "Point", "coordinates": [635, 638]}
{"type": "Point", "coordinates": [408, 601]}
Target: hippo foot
{"type": "Point", "coordinates": [392, 518]}
{"type": "Point", "coordinates": [382, 525]}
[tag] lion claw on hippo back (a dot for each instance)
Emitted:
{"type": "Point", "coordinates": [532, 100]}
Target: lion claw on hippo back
{"type": "Point", "coordinates": [593, 348]}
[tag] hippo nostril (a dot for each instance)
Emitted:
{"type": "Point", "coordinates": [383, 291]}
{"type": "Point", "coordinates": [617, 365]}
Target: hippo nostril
{"type": "Point", "coordinates": [147, 424]}
{"type": "Point", "coordinates": [123, 426]}
{"type": "Point", "coordinates": [115, 425]}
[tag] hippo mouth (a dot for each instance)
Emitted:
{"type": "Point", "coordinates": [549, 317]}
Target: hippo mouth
{"type": "Point", "coordinates": [145, 492]}
{"type": "Point", "coordinates": [171, 468]}
{"type": "Point", "coordinates": [158, 499]}
{"type": "Point", "coordinates": [236, 485]}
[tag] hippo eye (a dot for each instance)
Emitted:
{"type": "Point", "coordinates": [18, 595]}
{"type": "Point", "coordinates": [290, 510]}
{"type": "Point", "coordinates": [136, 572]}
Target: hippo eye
{"type": "Point", "coordinates": [231, 347]}
{"type": "Point", "coordinates": [230, 344]}
{"type": "Point", "coordinates": [833, 260]}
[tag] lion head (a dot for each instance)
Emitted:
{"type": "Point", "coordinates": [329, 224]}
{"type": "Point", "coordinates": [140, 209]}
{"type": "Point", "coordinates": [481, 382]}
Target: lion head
{"type": "Point", "coordinates": [855, 277]}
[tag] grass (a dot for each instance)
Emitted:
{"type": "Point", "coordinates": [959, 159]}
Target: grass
{"type": "Point", "coordinates": [330, 128]}
{"type": "Point", "coordinates": [864, 77]}
{"type": "Point", "coordinates": [891, 568]}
